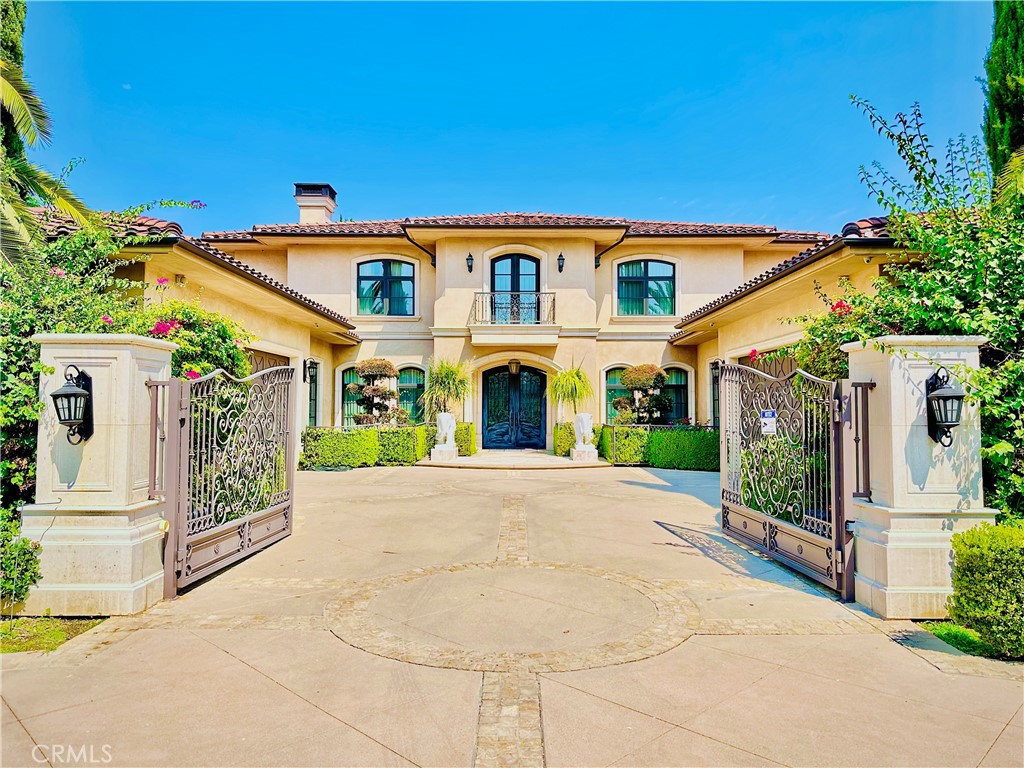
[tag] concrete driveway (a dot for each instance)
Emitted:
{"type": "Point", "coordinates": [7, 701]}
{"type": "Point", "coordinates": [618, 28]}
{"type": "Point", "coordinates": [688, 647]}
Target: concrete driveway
{"type": "Point", "coordinates": [446, 617]}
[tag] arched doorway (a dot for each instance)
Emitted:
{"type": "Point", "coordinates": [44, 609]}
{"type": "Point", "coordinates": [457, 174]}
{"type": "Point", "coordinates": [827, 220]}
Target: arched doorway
{"type": "Point", "coordinates": [515, 282]}
{"type": "Point", "coordinates": [514, 408]}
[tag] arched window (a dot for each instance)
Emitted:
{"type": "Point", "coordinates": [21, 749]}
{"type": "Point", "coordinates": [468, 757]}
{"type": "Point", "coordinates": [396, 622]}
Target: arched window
{"type": "Point", "coordinates": [385, 287]}
{"type": "Point", "coordinates": [349, 406]}
{"type": "Point", "coordinates": [613, 388]}
{"type": "Point", "coordinates": [647, 288]}
{"type": "Point", "coordinates": [677, 387]}
{"type": "Point", "coordinates": [410, 389]}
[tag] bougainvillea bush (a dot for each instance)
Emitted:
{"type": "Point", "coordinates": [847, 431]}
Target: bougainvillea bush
{"type": "Point", "coordinates": [71, 285]}
{"type": "Point", "coordinates": [958, 269]}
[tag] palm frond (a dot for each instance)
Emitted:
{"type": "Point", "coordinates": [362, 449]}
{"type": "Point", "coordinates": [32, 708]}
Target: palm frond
{"type": "Point", "coordinates": [447, 382]}
{"type": "Point", "coordinates": [17, 98]}
{"type": "Point", "coordinates": [1010, 183]}
{"type": "Point", "coordinates": [571, 386]}
{"type": "Point", "coordinates": [49, 189]}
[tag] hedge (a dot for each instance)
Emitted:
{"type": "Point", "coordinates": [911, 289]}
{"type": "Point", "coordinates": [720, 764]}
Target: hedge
{"type": "Point", "coordinates": [565, 437]}
{"type": "Point", "coordinates": [988, 585]}
{"type": "Point", "coordinates": [680, 448]}
{"type": "Point", "coordinates": [386, 446]}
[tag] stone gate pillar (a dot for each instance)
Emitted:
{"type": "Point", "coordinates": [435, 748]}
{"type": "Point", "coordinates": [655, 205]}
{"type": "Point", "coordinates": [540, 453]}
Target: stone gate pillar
{"type": "Point", "coordinates": [100, 532]}
{"type": "Point", "coordinates": [921, 493]}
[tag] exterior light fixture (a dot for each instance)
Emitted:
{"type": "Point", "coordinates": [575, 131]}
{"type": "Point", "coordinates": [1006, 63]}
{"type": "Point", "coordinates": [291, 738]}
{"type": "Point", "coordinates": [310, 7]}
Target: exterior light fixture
{"type": "Point", "coordinates": [513, 367]}
{"type": "Point", "coordinates": [73, 402]}
{"type": "Point", "coordinates": [945, 405]}
{"type": "Point", "coordinates": [307, 364]}
{"type": "Point", "coordinates": [561, 262]}
{"type": "Point", "coordinates": [469, 262]}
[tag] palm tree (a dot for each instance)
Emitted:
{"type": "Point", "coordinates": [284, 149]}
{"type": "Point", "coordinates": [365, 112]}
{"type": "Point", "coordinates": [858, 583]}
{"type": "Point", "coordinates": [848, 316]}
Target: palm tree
{"type": "Point", "coordinates": [447, 383]}
{"type": "Point", "coordinates": [571, 386]}
{"type": "Point", "coordinates": [22, 181]}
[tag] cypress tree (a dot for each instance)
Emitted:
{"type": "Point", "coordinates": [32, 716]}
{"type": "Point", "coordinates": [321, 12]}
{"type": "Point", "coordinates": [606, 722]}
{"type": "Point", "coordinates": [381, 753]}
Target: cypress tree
{"type": "Point", "coordinates": [12, 25]}
{"type": "Point", "coordinates": [1004, 85]}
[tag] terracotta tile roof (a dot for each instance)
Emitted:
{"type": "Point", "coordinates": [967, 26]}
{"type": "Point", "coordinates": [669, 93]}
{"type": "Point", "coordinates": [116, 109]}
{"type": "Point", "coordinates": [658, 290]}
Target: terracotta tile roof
{"type": "Point", "coordinates": [396, 227]}
{"type": "Point", "coordinates": [217, 255]}
{"type": "Point", "coordinates": [58, 225]}
{"type": "Point", "coordinates": [865, 228]}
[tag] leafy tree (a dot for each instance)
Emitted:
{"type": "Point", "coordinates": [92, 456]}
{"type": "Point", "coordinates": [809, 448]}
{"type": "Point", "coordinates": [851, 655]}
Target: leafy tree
{"type": "Point", "coordinates": [374, 396]}
{"type": "Point", "coordinates": [959, 270]}
{"type": "Point", "coordinates": [447, 383]}
{"type": "Point", "coordinates": [1004, 85]}
{"type": "Point", "coordinates": [647, 404]}
{"type": "Point", "coordinates": [12, 26]}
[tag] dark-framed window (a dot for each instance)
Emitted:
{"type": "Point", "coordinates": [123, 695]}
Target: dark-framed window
{"type": "Point", "coordinates": [410, 388]}
{"type": "Point", "coordinates": [647, 287]}
{"type": "Point", "coordinates": [613, 388]}
{"type": "Point", "coordinates": [386, 287]}
{"type": "Point", "coordinates": [678, 388]}
{"type": "Point", "coordinates": [349, 406]}
{"type": "Point", "coordinates": [313, 379]}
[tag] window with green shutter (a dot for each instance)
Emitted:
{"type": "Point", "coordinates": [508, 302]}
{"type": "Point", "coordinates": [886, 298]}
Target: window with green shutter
{"type": "Point", "coordinates": [677, 387]}
{"type": "Point", "coordinates": [647, 288]}
{"type": "Point", "coordinates": [613, 389]}
{"type": "Point", "coordinates": [410, 389]}
{"type": "Point", "coordinates": [349, 406]}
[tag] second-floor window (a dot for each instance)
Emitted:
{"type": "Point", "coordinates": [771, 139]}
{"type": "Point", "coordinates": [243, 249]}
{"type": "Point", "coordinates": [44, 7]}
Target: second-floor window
{"type": "Point", "coordinates": [385, 288]}
{"type": "Point", "coordinates": [647, 288]}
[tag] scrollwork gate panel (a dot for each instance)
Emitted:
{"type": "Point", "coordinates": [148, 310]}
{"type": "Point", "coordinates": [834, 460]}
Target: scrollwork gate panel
{"type": "Point", "coordinates": [780, 473]}
{"type": "Point", "coordinates": [234, 470]}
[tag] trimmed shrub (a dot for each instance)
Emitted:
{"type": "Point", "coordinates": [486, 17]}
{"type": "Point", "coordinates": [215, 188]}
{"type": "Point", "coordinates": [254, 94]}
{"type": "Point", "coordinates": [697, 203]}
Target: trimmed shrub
{"type": "Point", "coordinates": [988, 585]}
{"type": "Point", "coordinates": [604, 444]}
{"type": "Point", "coordinates": [695, 449]}
{"type": "Point", "coordinates": [397, 446]}
{"type": "Point", "coordinates": [324, 447]}
{"type": "Point", "coordinates": [630, 445]}
{"type": "Point", "coordinates": [565, 437]}
{"type": "Point", "coordinates": [465, 438]}
{"type": "Point", "coordinates": [422, 449]}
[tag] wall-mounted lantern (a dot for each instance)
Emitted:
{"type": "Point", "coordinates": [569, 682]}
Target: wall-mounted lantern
{"type": "Point", "coordinates": [945, 405]}
{"type": "Point", "coordinates": [561, 262]}
{"type": "Point", "coordinates": [307, 365]}
{"type": "Point", "coordinates": [469, 262]}
{"type": "Point", "coordinates": [513, 367]}
{"type": "Point", "coordinates": [73, 402]}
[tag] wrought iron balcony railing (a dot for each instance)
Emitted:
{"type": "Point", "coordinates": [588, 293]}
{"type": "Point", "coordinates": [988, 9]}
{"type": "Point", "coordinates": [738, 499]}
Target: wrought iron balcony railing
{"type": "Point", "coordinates": [514, 308]}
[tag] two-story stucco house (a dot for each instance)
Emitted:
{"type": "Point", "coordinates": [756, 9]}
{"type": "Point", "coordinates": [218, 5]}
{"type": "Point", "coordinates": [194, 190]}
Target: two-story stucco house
{"type": "Point", "coordinates": [518, 296]}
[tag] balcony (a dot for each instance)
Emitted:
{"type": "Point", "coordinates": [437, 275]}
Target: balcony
{"type": "Point", "coordinates": [514, 317]}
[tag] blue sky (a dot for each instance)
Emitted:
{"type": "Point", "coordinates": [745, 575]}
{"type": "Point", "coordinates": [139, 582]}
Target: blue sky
{"type": "Point", "coordinates": [722, 112]}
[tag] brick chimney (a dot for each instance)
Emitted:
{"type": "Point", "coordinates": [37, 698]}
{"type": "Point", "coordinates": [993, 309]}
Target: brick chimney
{"type": "Point", "coordinates": [316, 202]}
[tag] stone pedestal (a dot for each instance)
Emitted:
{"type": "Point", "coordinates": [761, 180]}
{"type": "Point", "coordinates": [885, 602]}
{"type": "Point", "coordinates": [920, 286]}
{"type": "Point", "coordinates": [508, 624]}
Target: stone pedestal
{"type": "Point", "coordinates": [101, 534]}
{"type": "Point", "coordinates": [444, 454]}
{"type": "Point", "coordinates": [921, 492]}
{"type": "Point", "coordinates": [588, 454]}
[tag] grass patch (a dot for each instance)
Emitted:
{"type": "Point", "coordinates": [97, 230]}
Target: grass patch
{"type": "Point", "coordinates": [962, 638]}
{"type": "Point", "coordinates": [44, 633]}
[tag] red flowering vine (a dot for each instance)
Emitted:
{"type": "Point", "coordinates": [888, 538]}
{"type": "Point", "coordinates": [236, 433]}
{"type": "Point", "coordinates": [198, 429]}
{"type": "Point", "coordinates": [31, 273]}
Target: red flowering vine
{"type": "Point", "coordinates": [841, 308]}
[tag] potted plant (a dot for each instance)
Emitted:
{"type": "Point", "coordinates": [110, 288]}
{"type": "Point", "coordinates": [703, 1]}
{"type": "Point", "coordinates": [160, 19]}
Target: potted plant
{"type": "Point", "coordinates": [571, 386]}
{"type": "Point", "coordinates": [447, 383]}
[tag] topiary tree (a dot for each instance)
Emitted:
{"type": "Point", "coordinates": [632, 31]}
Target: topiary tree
{"type": "Point", "coordinates": [375, 396]}
{"type": "Point", "coordinates": [647, 404]}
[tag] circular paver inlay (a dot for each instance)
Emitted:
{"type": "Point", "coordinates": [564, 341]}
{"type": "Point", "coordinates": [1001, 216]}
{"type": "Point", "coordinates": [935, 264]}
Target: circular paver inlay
{"type": "Point", "coordinates": [503, 616]}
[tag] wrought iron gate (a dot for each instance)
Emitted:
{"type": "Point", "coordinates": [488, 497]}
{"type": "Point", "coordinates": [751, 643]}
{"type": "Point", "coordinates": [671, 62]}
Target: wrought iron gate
{"type": "Point", "coordinates": [781, 473]}
{"type": "Point", "coordinates": [228, 468]}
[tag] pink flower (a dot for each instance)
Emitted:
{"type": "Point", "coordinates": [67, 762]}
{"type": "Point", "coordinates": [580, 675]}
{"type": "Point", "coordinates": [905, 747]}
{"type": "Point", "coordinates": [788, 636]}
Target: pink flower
{"type": "Point", "coordinates": [191, 374]}
{"type": "Point", "coordinates": [196, 204]}
{"type": "Point", "coordinates": [164, 327]}
{"type": "Point", "coordinates": [162, 281]}
{"type": "Point", "coordinates": [841, 308]}
{"type": "Point", "coordinates": [107, 319]}
{"type": "Point", "coordinates": [753, 355]}
{"type": "Point", "coordinates": [58, 272]}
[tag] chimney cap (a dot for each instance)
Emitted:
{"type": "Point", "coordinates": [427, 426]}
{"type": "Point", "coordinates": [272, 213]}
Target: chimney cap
{"type": "Point", "coordinates": [321, 189]}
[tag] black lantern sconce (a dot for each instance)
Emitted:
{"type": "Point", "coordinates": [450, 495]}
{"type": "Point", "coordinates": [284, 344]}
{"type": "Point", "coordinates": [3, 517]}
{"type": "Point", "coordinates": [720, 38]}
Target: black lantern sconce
{"type": "Point", "coordinates": [307, 365]}
{"type": "Point", "coordinates": [469, 263]}
{"type": "Point", "coordinates": [561, 262]}
{"type": "Point", "coordinates": [945, 405]}
{"type": "Point", "coordinates": [513, 367]}
{"type": "Point", "coordinates": [73, 402]}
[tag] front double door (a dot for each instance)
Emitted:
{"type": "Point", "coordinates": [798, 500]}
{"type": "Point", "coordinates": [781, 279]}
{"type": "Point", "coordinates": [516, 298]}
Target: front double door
{"type": "Point", "coordinates": [514, 408]}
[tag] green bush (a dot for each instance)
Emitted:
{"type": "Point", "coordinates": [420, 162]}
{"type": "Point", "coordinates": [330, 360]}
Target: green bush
{"type": "Point", "coordinates": [397, 446]}
{"type": "Point", "coordinates": [684, 449]}
{"type": "Point", "coordinates": [325, 447]}
{"type": "Point", "coordinates": [630, 445]}
{"type": "Point", "coordinates": [19, 561]}
{"type": "Point", "coordinates": [422, 446]}
{"type": "Point", "coordinates": [604, 443]}
{"type": "Point", "coordinates": [988, 585]}
{"type": "Point", "coordinates": [565, 437]}
{"type": "Point", "coordinates": [465, 438]}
